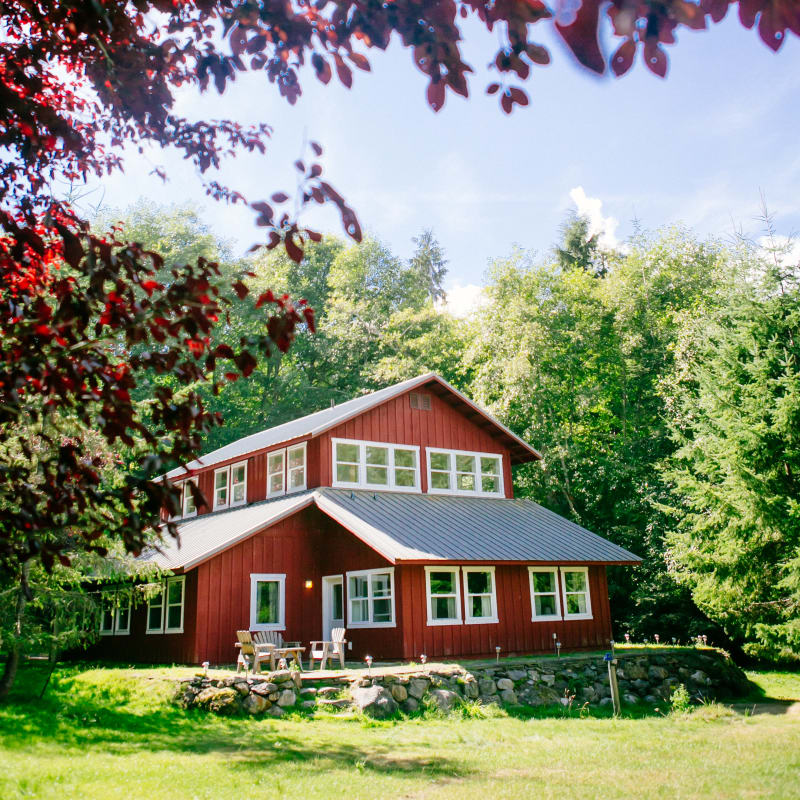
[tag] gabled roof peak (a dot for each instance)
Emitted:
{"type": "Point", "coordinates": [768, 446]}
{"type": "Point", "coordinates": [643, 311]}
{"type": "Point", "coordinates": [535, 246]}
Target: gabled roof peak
{"type": "Point", "coordinates": [320, 421]}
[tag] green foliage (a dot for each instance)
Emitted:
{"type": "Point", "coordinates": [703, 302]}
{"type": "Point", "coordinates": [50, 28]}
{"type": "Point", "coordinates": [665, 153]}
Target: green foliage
{"type": "Point", "coordinates": [430, 264]}
{"type": "Point", "coordinates": [680, 701]}
{"type": "Point", "coordinates": [735, 403]}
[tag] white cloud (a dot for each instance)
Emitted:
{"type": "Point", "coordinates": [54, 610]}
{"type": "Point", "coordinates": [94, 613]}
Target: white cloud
{"type": "Point", "coordinates": [787, 249]}
{"type": "Point", "coordinates": [592, 209]}
{"type": "Point", "coordinates": [464, 300]}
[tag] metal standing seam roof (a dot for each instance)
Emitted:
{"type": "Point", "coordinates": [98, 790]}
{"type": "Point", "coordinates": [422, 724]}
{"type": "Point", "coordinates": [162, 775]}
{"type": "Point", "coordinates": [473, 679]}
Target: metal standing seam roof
{"type": "Point", "coordinates": [408, 527]}
{"type": "Point", "coordinates": [320, 421]}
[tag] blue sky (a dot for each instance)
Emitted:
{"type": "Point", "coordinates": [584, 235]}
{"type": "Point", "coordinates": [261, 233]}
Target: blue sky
{"type": "Point", "coordinates": [696, 148]}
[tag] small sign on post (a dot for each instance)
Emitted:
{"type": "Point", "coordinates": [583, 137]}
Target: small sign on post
{"type": "Point", "coordinates": [612, 681]}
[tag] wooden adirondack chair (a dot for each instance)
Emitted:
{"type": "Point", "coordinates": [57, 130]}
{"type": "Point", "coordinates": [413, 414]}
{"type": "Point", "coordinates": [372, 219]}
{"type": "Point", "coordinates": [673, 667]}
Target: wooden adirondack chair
{"type": "Point", "coordinates": [325, 651]}
{"type": "Point", "coordinates": [278, 648]}
{"type": "Point", "coordinates": [250, 652]}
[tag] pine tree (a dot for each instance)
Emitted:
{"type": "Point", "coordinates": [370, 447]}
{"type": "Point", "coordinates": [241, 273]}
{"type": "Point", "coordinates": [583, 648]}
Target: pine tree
{"type": "Point", "coordinates": [579, 248]}
{"type": "Point", "coordinates": [429, 261]}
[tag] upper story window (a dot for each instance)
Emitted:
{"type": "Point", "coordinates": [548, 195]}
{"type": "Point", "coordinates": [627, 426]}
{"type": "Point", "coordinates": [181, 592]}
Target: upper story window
{"type": "Point", "coordinates": [463, 472]}
{"type": "Point", "coordinates": [230, 486]}
{"type": "Point", "coordinates": [286, 470]}
{"type": "Point", "coordinates": [187, 504]}
{"type": "Point", "coordinates": [375, 465]}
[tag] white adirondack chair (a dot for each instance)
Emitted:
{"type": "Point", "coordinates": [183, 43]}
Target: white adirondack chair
{"type": "Point", "coordinates": [325, 651]}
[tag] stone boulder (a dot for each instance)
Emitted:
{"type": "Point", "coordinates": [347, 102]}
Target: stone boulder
{"type": "Point", "coordinates": [444, 699]}
{"type": "Point", "coordinates": [541, 696]}
{"type": "Point", "coordinates": [265, 689]}
{"type": "Point", "coordinates": [486, 686]}
{"type": "Point", "coordinates": [417, 687]}
{"type": "Point", "coordinates": [399, 692]}
{"type": "Point", "coordinates": [255, 704]}
{"type": "Point", "coordinates": [509, 696]}
{"type": "Point", "coordinates": [222, 701]}
{"type": "Point", "coordinates": [375, 701]}
{"type": "Point", "coordinates": [517, 674]}
{"type": "Point", "coordinates": [287, 698]}
{"type": "Point", "coordinates": [505, 685]}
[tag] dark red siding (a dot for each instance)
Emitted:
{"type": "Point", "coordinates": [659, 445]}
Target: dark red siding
{"type": "Point", "coordinates": [395, 421]}
{"type": "Point", "coordinates": [160, 648]}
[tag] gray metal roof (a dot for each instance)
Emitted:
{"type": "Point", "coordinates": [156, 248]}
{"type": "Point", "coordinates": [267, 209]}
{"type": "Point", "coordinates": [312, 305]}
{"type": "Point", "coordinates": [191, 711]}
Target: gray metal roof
{"type": "Point", "coordinates": [320, 421]}
{"type": "Point", "coordinates": [407, 527]}
{"type": "Point", "coordinates": [204, 536]}
{"type": "Point", "coordinates": [423, 527]}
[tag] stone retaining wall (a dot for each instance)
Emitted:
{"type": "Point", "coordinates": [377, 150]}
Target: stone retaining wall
{"type": "Point", "coordinates": [642, 677]}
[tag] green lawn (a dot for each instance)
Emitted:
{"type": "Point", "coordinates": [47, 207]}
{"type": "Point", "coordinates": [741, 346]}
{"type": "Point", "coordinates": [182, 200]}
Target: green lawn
{"type": "Point", "coordinates": [110, 733]}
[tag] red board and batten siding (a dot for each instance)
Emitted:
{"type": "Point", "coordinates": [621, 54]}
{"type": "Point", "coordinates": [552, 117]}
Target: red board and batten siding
{"type": "Point", "coordinates": [396, 422]}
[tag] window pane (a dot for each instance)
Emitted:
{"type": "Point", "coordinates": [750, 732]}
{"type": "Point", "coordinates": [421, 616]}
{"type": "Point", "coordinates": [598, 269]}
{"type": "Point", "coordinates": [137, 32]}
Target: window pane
{"type": "Point", "coordinates": [297, 477]}
{"type": "Point", "coordinates": [347, 473]}
{"type": "Point", "coordinates": [188, 500]}
{"type": "Point", "coordinates": [297, 457]}
{"type": "Point", "coordinates": [346, 452]}
{"type": "Point", "coordinates": [382, 610]}
{"type": "Point", "coordinates": [575, 581]}
{"type": "Point", "coordinates": [174, 592]}
{"type": "Point", "coordinates": [444, 607]}
{"type": "Point", "coordinates": [442, 582]}
{"type": "Point", "coordinates": [381, 585]}
{"type": "Point", "coordinates": [107, 619]}
{"type": "Point", "coordinates": [174, 617]}
{"type": "Point", "coordinates": [490, 466]}
{"type": "Point", "coordinates": [544, 582]}
{"type": "Point", "coordinates": [378, 475]}
{"type": "Point", "coordinates": [360, 610]}
{"type": "Point", "coordinates": [123, 618]}
{"type": "Point", "coordinates": [221, 479]}
{"type": "Point", "coordinates": [490, 484]}
{"type": "Point", "coordinates": [222, 496]}
{"type": "Point", "coordinates": [358, 587]}
{"type": "Point", "coordinates": [405, 477]}
{"type": "Point", "coordinates": [154, 617]}
{"type": "Point", "coordinates": [466, 483]}
{"type": "Point", "coordinates": [238, 493]}
{"type": "Point", "coordinates": [479, 582]}
{"type": "Point", "coordinates": [238, 474]}
{"type": "Point", "coordinates": [338, 607]}
{"type": "Point", "coordinates": [440, 461]}
{"type": "Point", "coordinates": [276, 483]}
{"type": "Point", "coordinates": [545, 605]}
{"type": "Point", "coordinates": [276, 462]}
{"type": "Point", "coordinates": [378, 455]}
{"type": "Point", "coordinates": [267, 603]}
{"type": "Point", "coordinates": [440, 480]}
{"type": "Point", "coordinates": [576, 604]}
{"type": "Point", "coordinates": [482, 606]}
{"type": "Point", "coordinates": [465, 463]}
{"type": "Point", "coordinates": [405, 458]}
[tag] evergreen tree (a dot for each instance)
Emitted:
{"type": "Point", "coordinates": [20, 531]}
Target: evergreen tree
{"type": "Point", "coordinates": [579, 248]}
{"type": "Point", "coordinates": [430, 264]}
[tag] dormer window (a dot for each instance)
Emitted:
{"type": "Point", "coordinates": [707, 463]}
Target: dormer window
{"type": "Point", "coordinates": [230, 486]}
{"type": "Point", "coordinates": [286, 470]}
{"type": "Point", "coordinates": [375, 465]}
{"type": "Point", "coordinates": [187, 505]}
{"type": "Point", "coordinates": [463, 472]}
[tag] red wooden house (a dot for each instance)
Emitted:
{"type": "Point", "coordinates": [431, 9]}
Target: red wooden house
{"type": "Point", "coordinates": [392, 515]}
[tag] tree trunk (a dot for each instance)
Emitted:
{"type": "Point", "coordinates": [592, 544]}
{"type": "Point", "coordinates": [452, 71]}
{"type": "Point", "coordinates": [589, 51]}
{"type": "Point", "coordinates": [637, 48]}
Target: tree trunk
{"type": "Point", "coordinates": [15, 648]}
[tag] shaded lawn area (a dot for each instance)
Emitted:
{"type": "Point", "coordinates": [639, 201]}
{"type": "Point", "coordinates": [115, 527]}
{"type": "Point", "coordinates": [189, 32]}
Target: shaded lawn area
{"type": "Point", "coordinates": [111, 733]}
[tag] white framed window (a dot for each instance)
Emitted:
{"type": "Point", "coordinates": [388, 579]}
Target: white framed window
{"type": "Point", "coordinates": [575, 588]}
{"type": "Point", "coordinates": [155, 612]}
{"type": "Point", "coordinates": [443, 589]}
{"type": "Point", "coordinates": [545, 601]}
{"type": "Point", "coordinates": [375, 465]}
{"type": "Point", "coordinates": [267, 602]}
{"type": "Point", "coordinates": [370, 598]}
{"type": "Point", "coordinates": [107, 614]}
{"type": "Point", "coordinates": [480, 595]}
{"type": "Point", "coordinates": [465, 472]}
{"type": "Point", "coordinates": [122, 618]}
{"type": "Point", "coordinates": [186, 501]}
{"type": "Point", "coordinates": [230, 486]}
{"type": "Point", "coordinates": [165, 610]}
{"type": "Point", "coordinates": [286, 470]}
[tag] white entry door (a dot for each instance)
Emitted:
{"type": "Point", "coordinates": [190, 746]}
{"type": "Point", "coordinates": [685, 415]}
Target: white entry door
{"type": "Point", "coordinates": [332, 604]}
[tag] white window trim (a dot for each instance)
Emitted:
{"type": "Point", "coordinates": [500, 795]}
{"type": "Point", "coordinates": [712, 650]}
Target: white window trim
{"type": "Point", "coordinates": [286, 469]}
{"type": "Point", "coordinates": [362, 467]}
{"type": "Point", "coordinates": [468, 618]}
{"type": "Point", "coordinates": [557, 593]}
{"type": "Point", "coordinates": [123, 631]}
{"type": "Point", "coordinates": [104, 598]}
{"type": "Point", "coordinates": [453, 486]}
{"type": "Point", "coordinates": [429, 597]}
{"type": "Point", "coordinates": [160, 628]}
{"type": "Point", "coordinates": [255, 578]}
{"type": "Point", "coordinates": [178, 579]}
{"type": "Point", "coordinates": [229, 484]}
{"type": "Point", "coordinates": [284, 453]}
{"type": "Point", "coordinates": [361, 573]}
{"type": "Point", "coordinates": [588, 593]}
{"type": "Point", "coordinates": [181, 485]}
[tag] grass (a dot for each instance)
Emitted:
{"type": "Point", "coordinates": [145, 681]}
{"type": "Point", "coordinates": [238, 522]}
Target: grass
{"type": "Point", "coordinates": [111, 733]}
